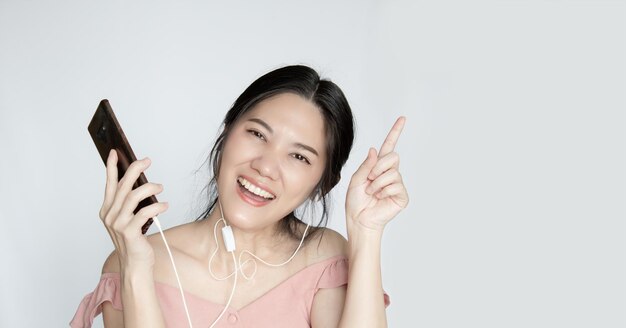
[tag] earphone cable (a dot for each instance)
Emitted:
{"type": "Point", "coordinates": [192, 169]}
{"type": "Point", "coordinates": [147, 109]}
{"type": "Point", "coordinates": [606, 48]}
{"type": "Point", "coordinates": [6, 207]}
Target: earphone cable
{"type": "Point", "coordinates": [180, 286]}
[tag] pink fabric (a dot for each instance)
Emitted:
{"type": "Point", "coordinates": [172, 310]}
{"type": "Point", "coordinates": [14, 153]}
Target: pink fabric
{"type": "Point", "coordinates": [286, 305]}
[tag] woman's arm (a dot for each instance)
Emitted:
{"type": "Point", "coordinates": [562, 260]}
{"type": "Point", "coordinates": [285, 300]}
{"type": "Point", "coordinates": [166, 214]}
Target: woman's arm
{"type": "Point", "coordinates": [364, 304]}
{"type": "Point", "coordinates": [141, 308]}
{"type": "Point", "coordinates": [139, 300]}
{"type": "Point", "coordinates": [376, 194]}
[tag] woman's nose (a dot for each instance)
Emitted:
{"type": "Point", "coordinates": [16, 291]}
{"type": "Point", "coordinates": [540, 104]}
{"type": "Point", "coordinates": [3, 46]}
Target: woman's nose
{"type": "Point", "coordinates": [267, 165]}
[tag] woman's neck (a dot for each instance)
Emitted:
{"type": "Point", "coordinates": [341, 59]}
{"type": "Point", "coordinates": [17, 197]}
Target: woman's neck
{"type": "Point", "coordinates": [266, 243]}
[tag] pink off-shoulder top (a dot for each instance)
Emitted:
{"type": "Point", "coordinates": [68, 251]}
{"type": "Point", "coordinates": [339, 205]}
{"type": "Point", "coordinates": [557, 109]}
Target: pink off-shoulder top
{"type": "Point", "coordinates": [286, 305]}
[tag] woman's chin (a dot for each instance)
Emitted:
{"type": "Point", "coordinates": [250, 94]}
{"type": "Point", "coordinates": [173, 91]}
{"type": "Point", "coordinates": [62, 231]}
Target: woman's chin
{"type": "Point", "coordinates": [244, 222]}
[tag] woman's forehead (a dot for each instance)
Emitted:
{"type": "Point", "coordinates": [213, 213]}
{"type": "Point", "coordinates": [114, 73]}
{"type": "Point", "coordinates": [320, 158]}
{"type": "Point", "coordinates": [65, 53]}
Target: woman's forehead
{"type": "Point", "coordinates": [288, 110]}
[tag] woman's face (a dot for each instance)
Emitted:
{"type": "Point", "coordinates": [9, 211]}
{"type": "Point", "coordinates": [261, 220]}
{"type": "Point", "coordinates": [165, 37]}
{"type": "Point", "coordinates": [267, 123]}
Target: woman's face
{"type": "Point", "coordinates": [272, 160]}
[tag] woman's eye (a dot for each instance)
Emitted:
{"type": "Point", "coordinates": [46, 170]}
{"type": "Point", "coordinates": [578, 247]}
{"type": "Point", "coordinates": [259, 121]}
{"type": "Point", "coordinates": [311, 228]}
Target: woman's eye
{"type": "Point", "coordinates": [301, 158]}
{"type": "Point", "coordinates": [257, 134]}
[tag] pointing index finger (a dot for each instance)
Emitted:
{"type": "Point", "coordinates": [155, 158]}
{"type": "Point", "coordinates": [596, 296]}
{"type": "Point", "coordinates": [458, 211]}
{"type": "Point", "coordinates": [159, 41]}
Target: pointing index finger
{"type": "Point", "coordinates": [392, 138]}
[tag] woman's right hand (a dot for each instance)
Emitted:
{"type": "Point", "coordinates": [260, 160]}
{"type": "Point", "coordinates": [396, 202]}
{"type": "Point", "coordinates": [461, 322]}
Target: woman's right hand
{"type": "Point", "coordinates": [120, 200]}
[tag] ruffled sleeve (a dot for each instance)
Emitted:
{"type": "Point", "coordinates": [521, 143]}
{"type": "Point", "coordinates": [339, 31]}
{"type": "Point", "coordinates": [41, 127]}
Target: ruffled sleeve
{"type": "Point", "coordinates": [108, 289]}
{"type": "Point", "coordinates": [336, 275]}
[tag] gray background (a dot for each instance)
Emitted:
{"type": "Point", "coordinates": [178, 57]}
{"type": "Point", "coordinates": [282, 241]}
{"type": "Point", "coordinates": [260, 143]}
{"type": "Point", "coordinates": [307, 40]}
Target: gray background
{"type": "Point", "coordinates": [513, 153]}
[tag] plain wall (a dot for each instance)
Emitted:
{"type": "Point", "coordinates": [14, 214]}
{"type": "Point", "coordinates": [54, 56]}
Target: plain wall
{"type": "Point", "coordinates": [514, 152]}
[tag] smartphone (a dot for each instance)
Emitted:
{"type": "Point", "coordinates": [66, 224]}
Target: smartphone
{"type": "Point", "coordinates": [107, 134]}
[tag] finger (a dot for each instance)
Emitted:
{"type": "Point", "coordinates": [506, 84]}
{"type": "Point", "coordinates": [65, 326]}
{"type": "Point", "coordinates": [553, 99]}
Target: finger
{"type": "Point", "coordinates": [136, 196]}
{"type": "Point", "coordinates": [132, 173]}
{"type": "Point", "coordinates": [392, 138]}
{"type": "Point", "coordinates": [396, 192]}
{"type": "Point", "coordinates": [389, 161]}
{"type": "Point", "coordinates": [360, 176]}
{"type": "Point", "coordinates": [125, 185]}
{"type": "Point", "coordinates": [111, 183]}
{"type": "Point", "coordinates": [390, 177]}
{"type": "Point", "coordinates": [145, 214]}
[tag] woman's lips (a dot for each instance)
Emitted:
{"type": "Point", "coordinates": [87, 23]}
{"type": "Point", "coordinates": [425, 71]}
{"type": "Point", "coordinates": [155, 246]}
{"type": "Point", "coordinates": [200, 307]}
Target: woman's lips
{"type": "Point", "coordinates": [251, 198]}
{"type": "Point", "coordinates": [256, 188]}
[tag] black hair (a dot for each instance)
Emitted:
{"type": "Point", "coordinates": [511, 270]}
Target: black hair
{"type": "Point", "coordinates": [339, 130]}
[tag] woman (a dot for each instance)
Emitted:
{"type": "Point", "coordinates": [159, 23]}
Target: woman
{"type": "Point", "coordinates": [283, 145]}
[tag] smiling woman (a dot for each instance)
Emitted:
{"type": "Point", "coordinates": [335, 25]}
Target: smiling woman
{"type": "Point", "coordinates": [283, 143]}
{"type": "Point", "coordinates": [272, 148]}
{"type": "Point", "coordinates": [301, 87]}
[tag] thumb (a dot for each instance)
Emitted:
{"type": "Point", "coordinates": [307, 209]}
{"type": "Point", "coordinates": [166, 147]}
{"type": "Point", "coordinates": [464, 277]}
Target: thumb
{"type": "Point", "coordinates": [361, 174]}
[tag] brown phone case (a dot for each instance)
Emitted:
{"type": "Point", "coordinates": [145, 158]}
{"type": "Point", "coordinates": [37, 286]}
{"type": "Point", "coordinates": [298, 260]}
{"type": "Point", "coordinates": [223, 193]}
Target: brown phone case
{"type": "Point", "coordinates": [107, 134]}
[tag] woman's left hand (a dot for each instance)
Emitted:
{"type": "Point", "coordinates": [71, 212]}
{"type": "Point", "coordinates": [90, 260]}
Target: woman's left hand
{"type": "Point", "coordinates": [376, 193]}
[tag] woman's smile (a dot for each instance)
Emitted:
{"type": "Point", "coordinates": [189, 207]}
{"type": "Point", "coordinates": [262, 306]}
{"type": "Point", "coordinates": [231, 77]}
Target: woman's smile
{"type": "Point", "coordinates": [253, 194]}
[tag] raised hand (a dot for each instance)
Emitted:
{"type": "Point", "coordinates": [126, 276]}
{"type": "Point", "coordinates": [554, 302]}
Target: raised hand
{"type": "Point", "coordinates": [376, 193]}
{"type": "Point", "coordinates": [120, 200]}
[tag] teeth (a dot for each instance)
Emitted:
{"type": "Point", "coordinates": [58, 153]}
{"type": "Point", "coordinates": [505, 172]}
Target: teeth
{"type": "Point", "coordinates": [254, 189]}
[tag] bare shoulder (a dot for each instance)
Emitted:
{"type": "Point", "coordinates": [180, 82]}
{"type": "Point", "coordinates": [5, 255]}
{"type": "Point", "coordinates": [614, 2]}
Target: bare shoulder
{"type": "Point", "coordinates": [112, 263]}
{"type": "Point", "coordinates": [327, 243]}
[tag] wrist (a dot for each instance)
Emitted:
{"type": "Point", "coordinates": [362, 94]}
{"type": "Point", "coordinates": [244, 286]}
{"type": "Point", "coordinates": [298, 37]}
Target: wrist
{"type": "Point", "coordinates": [357, 227]}
{"type": "Point", "coordinates": [135, 273]}
{"type": "Point", "coordinates": [364, 240]}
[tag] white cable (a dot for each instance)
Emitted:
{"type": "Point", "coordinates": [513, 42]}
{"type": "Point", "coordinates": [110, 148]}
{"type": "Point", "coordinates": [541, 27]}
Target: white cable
{"type": "Point", "coordinates": [241, 265]}
{"type": "Point", "coordinates": [217, 247]}
{"type": "Point", "coordinates": [235, 264]}
{"type": "Point", "coordinates": [180, 286]}
{"type": "Point", "coordinates": [271, 264]}
{"type": "Point", "coordinates": [232, 292]}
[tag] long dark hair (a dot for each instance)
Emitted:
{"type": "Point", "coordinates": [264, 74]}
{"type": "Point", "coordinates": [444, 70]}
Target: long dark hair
{"type": "Point", "coordinates": [339, 126]}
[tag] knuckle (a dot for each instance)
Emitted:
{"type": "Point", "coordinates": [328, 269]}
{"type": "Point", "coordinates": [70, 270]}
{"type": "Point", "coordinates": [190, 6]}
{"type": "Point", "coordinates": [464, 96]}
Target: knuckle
{"type": "Point", "coordinates": [102, 214]}
{"type": "Point", "coordinates": [109, 220]}
{"type": "Point", "coordinates": [396, 158]}
{"type": "Point", "coordinates": [145, 212]}
{"type": "Point", "coordinates": [117, 226]}
{"type": "Point", "coordinates": [126, 233]}
{"type": "Point", "coordinates": [134, 194]}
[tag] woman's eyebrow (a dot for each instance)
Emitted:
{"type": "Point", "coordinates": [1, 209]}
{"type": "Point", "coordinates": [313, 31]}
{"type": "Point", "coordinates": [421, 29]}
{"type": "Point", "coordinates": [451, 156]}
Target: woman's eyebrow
{"type": "Point", "coordinates": [260, 121]}
{"type": "Point", "coordinates": [305, 147]}
{"type": "Point", "coordinates": [297, 144]}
